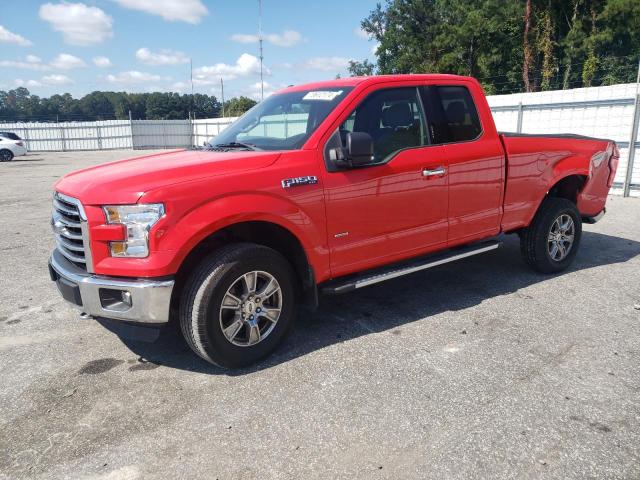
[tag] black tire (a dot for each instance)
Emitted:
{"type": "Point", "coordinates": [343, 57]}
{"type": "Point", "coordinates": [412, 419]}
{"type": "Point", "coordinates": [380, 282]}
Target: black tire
{"type": "Point", "coordinates": [6, 155]}
{"type": "Point", "coordinates": [535, 241]}
{"type": "Point", "coordinates": [201, 302]}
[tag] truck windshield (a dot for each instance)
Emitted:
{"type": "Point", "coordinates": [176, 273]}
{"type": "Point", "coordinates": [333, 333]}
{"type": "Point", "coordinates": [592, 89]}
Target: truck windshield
{"type": "Point", "coordinates": [282, 121]}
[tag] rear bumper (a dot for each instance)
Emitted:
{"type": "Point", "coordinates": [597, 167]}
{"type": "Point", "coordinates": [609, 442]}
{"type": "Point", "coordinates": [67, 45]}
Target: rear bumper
{"type": "Point", "coordinates": [129, 300]}
{"type": "Point", "coordinates": [19, 151]}
{"type": "Point", "coordinates": [595, 218]}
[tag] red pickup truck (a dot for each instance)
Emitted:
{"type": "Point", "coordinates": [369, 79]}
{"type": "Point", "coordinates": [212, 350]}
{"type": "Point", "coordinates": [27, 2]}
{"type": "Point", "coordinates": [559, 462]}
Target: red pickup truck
{"type": "Point", "coordinates": [321, 188]}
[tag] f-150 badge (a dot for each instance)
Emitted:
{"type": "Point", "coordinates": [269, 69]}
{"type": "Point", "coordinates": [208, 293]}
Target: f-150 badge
{"type": "Point", "coordinates": [295, 182]}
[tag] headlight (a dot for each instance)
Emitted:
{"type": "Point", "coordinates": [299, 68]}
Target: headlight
{"type": "Point", "coordinates": [138, 220]}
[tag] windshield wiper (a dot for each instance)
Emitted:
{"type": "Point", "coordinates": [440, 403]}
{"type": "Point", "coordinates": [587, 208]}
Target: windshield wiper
{"type": "Point", "coordinates": [248, 146]}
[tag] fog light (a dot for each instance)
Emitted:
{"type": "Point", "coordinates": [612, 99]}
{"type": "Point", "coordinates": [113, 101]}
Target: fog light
{"type": "Point", "coordinates": [115, 300]}
{"type": "Point", "coordinates": [126, 298]}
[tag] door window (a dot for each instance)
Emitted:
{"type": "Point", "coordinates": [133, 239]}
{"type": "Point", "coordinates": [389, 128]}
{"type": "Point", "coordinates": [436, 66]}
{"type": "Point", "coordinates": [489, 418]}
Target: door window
{"type": "Point", "coordinates": [393, 118]}
{"type": "Point", "coordinates": [452, 114]}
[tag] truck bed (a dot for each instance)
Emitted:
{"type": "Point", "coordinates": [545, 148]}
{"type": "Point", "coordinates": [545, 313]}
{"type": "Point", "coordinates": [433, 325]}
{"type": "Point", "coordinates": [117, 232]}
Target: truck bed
{"type": "Point", "coordinates": [534, 162]}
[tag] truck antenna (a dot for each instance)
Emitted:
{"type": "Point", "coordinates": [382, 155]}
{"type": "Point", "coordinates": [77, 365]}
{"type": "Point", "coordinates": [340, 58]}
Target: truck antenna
{"type": "Point", "coordinates": [222, 94]}
{"type": "Point", "coordinates": [260, 42]}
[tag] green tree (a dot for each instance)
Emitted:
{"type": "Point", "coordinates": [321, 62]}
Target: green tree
{"type": "Point", "coordinates": [509, 45]}
{"type": "Point", "coordinates": [449, 36]}
{"type": "Point", "coordinates": [361, 69]}
{"type": "Point", "coordinates": [237, 106]}
{"type": "Point", "coordinates": [96, 105]}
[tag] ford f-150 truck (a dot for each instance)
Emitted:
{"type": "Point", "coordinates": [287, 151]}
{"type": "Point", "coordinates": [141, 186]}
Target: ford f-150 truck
{"type": "Point", "coordinates": [320, 189]}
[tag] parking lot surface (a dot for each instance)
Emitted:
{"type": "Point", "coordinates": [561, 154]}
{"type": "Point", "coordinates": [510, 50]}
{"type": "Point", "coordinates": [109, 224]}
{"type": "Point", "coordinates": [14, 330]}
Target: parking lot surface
{"type": "Point", "coordinates": [478, 369]}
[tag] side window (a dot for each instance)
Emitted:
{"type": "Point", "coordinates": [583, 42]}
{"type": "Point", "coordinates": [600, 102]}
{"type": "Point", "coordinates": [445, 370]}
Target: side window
{"type": "Point", "coordinates": [393, 118]}
{"type": "Point", "coordinates": [452, 114]}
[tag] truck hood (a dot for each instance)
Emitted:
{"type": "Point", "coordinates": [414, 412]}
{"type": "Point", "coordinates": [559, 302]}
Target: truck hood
{"type": "Point", "coordinates": [125, 181]}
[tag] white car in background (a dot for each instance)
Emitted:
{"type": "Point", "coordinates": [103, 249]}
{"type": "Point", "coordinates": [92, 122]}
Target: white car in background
{"type": "Point", "coordinates": [11, 146]}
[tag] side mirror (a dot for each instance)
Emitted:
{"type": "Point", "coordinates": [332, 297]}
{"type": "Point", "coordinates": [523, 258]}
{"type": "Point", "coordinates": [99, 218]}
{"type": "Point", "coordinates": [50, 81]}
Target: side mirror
{"type": "Point", "coordinates": [359, 149]}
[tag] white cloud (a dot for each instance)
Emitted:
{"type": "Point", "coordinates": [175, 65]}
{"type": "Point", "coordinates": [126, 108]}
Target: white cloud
{"type": "Point", "coordinates": [47, 80]}
{"type": "Point", "coordinates": [29, 64]}
{"type": "Point", "coordinates": [64, 61]}
{"type": "Point", "coordinates": [190, 11]}
{"type": "Point", "coordinates": [180, 87]}
{"type": "Point", "coordinates": [163, 57]}
{"type": "Point", "coordinates": [245, 65]}
{"type": "Point", "coordinates": [55, 79]}
{"type": "Point", "coordinates": [360, 33]}
{"type": "Point", "coordinates": [9, 37]}
{"type": "Point", "coordinates": [79, 24]}
{"type": "Point", "coordinates": [287, 38]}
{"type": "Point", "coordinates": [18, 82]}
{"type": "Point", "coordinates": [253, 91]}
{"type": "Point", "coordinates": [327, 64]}
{"type": "Point", "coordinates": [132, 76]}
{"type": "Point", "coordinates": [102, 62]}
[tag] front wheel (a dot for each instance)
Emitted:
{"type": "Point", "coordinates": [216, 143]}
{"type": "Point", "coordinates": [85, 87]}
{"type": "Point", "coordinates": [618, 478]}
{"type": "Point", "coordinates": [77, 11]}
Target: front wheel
{"type": "Point", "coordinates": [6, 155]}
{"type": "Point", "coordinates": [551, 242]}
{"type": "Point", "coordinates": [238, 305]}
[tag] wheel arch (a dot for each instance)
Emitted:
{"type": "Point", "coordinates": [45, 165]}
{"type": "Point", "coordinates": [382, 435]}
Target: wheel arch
{"type": "Point", "coordinates": [261, 232]}
{"type": "Point", "coordinates": [568, 186]}
{"type": "Point", "coordinates": [7, 149]}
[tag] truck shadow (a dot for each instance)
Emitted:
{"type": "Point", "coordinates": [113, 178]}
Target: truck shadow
{"type": "Point", "coordinates": [390, 305]}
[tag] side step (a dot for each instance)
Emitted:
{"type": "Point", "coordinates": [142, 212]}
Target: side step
{"type": "Point", "coordinates": [353, 282]}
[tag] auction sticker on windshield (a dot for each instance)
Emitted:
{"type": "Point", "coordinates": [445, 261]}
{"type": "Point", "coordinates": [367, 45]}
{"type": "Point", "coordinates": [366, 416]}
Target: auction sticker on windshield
{"type": "Point", "coordinates": [324, 95]}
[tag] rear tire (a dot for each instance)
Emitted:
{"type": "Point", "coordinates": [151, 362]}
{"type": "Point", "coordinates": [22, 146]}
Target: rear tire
{"type": "Point", "coordinates": [551, 242]}
{"type": "Point", "coordinates": [238, 305]}
{"type": "Point", "coordinates": [6, 155]}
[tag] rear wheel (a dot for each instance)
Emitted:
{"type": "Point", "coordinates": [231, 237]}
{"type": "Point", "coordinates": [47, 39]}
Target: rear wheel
{"type": "Point", "coordinates": [6, 155]}
{"type": "Point", "coordinates": [551, 242]}
{"type": "Point", "coordinates": [238, 305]}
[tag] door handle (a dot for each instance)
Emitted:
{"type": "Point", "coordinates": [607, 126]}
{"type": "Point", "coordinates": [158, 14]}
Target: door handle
{"type": "Point", "coordinates": [439, 171]}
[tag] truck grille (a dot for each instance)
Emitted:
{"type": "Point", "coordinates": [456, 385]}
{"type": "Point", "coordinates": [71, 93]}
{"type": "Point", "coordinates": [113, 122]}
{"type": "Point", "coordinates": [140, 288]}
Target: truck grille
{"type": "Point", "coordinates": [69, 224]}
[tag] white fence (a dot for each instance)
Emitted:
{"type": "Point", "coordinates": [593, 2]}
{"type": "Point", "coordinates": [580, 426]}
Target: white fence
{"type": "Point", "coordinates": [604, 112]}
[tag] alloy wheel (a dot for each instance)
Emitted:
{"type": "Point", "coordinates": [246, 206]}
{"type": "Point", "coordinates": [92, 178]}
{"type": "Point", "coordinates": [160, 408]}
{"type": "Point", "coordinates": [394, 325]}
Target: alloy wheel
{"type": "Point", "coordinates": [561, 236]}
{"type": "Point", "coordinates": [251, 308]}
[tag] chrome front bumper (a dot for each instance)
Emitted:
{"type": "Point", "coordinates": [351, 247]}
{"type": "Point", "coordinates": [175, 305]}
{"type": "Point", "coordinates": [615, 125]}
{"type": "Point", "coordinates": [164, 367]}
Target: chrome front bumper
{"type": "Point", "coordinates": [129, 300]}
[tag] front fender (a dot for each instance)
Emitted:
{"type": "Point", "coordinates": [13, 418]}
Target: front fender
{"type": "Point", "coordinates": [194, 226]}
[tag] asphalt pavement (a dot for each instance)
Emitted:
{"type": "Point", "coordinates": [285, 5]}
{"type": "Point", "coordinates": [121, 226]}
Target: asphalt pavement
{"type": "Point", "coordinates": [477, 369]}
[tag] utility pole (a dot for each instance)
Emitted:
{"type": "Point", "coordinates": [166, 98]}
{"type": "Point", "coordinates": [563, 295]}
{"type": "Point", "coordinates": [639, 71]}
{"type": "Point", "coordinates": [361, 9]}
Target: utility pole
{"type": "Point", "coordinates": [635, 121]}
{"type": "Point", "coordinates": [260, 42]}
{"type": "Point", "coordinates": [222, 94]}
{"type": "Point", "coordinates": [191, 77]}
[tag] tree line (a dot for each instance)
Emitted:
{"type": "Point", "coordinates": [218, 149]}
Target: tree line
{"type": "Point", "coordinates": [509, 45]}
{"type": "Point", "coordinates": [20, 104]}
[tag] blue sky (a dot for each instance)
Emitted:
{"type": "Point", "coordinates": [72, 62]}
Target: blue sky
{"type": "Point", "coordinates": [145, 45]}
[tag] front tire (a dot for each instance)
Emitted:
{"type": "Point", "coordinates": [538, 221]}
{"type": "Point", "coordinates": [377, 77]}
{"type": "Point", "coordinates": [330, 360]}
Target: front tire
{"type": "Point", "coordinates": [6, 155]}
{"type": "Point", "coordinates": [238, 305]}
{"type": "Point", "coordinates": [551, 242]}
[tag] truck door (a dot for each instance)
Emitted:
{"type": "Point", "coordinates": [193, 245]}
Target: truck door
{"type": "Point", "coordinates": [475, 159]}
{"type": "Point", "coordinates": [397, 206]}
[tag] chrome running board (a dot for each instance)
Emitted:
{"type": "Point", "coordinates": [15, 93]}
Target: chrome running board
{"type": "Point", "coordinates": [343, 285]}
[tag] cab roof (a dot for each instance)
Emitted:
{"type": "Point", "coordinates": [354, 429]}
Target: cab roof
{"type": "Point", "coordinates": [371, 80]}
